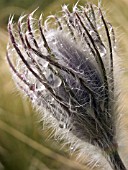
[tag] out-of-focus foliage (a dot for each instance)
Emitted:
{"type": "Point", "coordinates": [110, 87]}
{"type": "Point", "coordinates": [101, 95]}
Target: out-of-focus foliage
{"type": "Point", "coordinates": [24, 144]}
{"type": "Point", "coordinates": [19, 7]}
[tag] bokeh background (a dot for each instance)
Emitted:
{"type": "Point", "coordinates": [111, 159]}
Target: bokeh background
{"type": "Point", "coordinates": [24, 144]}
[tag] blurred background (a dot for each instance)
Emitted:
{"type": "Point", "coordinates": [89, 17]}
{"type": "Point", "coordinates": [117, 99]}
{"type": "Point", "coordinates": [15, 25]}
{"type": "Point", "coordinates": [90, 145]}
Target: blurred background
{"type": "Point", "coordinates": [24, 144]}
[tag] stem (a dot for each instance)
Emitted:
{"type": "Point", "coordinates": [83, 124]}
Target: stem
{"type": "Point", "coordinates": [116, 161]}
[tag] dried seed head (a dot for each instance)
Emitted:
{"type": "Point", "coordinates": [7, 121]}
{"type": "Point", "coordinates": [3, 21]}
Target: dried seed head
{"type": "Point", "coordinates": [66, 69]}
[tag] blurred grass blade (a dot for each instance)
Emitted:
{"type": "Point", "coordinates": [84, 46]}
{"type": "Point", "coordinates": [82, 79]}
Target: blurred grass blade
{"type": "Point", "coordinates": [38, 147]}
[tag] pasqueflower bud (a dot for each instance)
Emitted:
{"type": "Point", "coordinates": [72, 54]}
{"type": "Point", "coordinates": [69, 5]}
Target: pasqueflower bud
{"type": "Point", "coordinates": [65, 66]}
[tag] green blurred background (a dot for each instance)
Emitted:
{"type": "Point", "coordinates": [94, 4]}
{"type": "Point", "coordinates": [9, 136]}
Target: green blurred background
{"type": "Point", "coordinates": [24, 144]}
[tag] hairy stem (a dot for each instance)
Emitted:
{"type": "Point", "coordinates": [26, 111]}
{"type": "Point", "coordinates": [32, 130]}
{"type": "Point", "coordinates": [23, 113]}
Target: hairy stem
{"type": "Point", "coordinates": [116, 162]}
